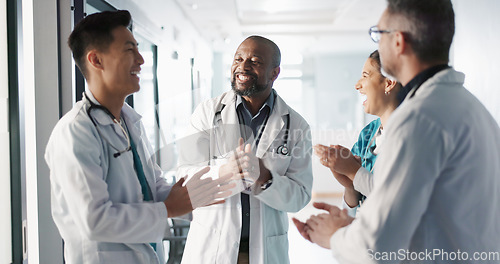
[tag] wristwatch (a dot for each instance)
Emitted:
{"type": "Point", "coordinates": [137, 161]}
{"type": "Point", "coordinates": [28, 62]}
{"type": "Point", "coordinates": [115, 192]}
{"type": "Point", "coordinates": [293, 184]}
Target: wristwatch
{"type": "Point", "coordinates": [266, 184]}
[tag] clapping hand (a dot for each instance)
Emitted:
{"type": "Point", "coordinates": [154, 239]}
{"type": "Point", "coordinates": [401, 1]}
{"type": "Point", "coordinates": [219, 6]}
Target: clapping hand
{"type": "Point", "coordinates": [244, 165]}
{"type": "Point", "coordinates": [340, 160]}
{"type": "Point", "coordinates": [320, 228]}
{"type": "Point", "coordinates": [186, 196]}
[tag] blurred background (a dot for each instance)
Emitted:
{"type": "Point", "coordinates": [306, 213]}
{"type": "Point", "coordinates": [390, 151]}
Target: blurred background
{"type": "Point", "coordinates": [188, 47]}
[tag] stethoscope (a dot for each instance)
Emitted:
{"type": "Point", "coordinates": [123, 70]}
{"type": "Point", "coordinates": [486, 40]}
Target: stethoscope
{"type": "Point", "coordinates": [100, 107]}
{"type": "Point", "coordinates": [282, 149]}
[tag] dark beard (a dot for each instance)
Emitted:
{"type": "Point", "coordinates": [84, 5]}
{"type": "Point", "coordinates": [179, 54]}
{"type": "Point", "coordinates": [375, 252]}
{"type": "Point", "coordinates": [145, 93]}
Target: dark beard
{"type": "Point", "coordinates": [252, 90]}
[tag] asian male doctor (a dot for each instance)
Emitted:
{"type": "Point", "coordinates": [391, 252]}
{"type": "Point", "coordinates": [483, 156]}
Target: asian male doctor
{"type": "Point", "coordinates": [109, 200]}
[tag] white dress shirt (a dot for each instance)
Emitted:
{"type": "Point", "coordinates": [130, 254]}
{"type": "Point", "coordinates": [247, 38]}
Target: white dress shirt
{"type": "Point", "coordinates": [436, 185]}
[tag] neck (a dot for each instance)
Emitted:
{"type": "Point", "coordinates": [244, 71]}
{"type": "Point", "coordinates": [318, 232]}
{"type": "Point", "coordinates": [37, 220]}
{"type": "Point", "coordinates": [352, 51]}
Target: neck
{"type": "Point", "coordinates": [255, 102]}
{"type": "Point", "coordinates": [387, 113]}
{"type": "Point", "coordinates": [413, 68]}
{"type": "Point", "coordinates": [112, 102]}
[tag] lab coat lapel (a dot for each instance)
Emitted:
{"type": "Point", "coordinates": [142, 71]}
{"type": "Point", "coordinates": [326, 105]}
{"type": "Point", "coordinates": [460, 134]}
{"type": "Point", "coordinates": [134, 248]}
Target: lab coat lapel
{"type": "Point", "coordinates": [273, 127]}
{"type": "Point", "coordinates": [133, 120]}
{"type": "Point", "coordinates": [230, 124]}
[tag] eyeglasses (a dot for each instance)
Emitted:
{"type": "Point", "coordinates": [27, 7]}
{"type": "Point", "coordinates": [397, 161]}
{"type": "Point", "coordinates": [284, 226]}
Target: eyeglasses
{"type": "Point", "coordinates": [376, 33]}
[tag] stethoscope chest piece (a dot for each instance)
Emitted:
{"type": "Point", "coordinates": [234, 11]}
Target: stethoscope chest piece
{"type": "Point", "coordinates": [283, 150]}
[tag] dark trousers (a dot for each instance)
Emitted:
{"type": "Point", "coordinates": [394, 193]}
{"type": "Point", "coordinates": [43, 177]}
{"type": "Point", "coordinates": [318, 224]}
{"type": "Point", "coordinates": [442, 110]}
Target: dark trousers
{"type": "Point", "coordinates": [243, 258]}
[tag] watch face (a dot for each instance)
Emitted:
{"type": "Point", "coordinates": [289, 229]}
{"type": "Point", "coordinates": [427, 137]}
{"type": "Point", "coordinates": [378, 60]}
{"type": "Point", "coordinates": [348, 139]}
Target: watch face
{"type": "Point", "coordinates": [266, 184]}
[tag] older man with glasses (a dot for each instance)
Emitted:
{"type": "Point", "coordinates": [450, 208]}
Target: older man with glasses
{"type": "Point", "coordinates": [436, 184]}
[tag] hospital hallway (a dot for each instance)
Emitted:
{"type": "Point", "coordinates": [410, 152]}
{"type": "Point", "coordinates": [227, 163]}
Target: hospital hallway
{"type": "Point", "coordinates": [302, 251]}
{"type": "Point", "coordinates": [188, 56]}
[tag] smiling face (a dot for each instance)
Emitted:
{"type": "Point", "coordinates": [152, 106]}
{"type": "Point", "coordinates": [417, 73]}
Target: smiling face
{"type": "Point", "coordinates": [252, 70]}
{"type": "Point", "coordinates": [121, 64]}
{"type": "Point", "coordinates": [372, 85]}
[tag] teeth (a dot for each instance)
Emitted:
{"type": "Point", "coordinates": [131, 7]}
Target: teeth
{"type": "Point", "coordinates": [243, 78]}
{"type": "Point", "coordinates": [135, 72]}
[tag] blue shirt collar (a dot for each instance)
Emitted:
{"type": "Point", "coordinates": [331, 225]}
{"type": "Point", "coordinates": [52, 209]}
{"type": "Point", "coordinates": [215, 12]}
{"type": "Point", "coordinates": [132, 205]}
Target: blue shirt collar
{"type": "Point", "coordinates": [269, 103]}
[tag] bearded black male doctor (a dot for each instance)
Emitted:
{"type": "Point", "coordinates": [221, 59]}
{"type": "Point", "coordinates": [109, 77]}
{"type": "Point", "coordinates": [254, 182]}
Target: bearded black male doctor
{"type": "Point", "coordinates": [274, 163]}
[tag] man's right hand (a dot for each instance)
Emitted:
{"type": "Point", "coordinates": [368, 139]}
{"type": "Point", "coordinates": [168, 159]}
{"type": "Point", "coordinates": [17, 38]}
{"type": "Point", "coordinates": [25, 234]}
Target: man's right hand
{"type": "Point", "coordinates": [244, 165]}
{"type": "Point", "coordinates": [197, 192]}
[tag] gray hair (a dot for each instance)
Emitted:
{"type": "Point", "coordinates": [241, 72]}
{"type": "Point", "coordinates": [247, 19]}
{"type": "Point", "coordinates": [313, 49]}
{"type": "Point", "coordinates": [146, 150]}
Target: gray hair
{"type": "Point", "coordinates": [428, 25]}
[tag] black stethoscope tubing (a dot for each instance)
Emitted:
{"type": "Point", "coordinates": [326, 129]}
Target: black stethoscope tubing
{"type": "Point", "coordinates": [283, 149]}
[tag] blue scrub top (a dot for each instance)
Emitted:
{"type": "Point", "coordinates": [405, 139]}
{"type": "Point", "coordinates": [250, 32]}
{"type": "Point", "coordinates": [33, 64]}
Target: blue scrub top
{"type": "Point", "coordinates": [361, 147]}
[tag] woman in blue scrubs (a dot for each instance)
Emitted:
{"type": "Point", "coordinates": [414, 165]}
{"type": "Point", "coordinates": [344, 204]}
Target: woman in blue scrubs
{"type": "Point", "coordinates": [353, 169]}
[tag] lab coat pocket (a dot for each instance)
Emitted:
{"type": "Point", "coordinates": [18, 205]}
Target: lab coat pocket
{"type": "Point", "coordinates": [277, 249]}
{"type": "Point", "coordinates": [120, 257]}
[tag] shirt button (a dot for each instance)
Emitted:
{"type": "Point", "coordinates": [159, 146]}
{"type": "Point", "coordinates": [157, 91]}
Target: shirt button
{"type": "Point", "coordinates": [247, 214]}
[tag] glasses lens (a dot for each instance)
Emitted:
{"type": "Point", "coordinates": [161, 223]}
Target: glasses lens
{"type": "Point", "coordinates": [374, 34]}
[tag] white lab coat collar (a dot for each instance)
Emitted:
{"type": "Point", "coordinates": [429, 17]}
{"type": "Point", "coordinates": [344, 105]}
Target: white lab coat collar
{"type": "Point", "coordinates": [229, 116]}
{"type": "Point", "coordinates": [449, 75]}
{"type": "Point", "coordinates": [274, 126]}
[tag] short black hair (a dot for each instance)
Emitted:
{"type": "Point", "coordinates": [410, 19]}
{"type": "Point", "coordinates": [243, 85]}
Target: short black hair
{"type": "Point", "coordinates": [276, 50]}
{"type": "Point", "coordinates": [429, 24]}
{"type": "Point", "coordinates": [375, 57]}
{"type": "Point", "coordinates": [95, 32]}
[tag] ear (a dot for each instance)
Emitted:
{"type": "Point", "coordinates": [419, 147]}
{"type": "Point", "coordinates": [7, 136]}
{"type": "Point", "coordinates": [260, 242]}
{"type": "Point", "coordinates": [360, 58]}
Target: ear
{"type": "Point", "coordinates": [389, 85]}
{"type": "Point", "coordinates": [94, 60]}
{"type": "Point", "coordinates": [400, 44]}
{"type": "Point", "coordinates": [276, 72]}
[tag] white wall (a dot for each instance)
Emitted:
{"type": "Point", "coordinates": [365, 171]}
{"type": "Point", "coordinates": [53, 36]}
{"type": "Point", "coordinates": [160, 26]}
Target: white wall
{"type": "Point", "coordinates": [335, 111]}
{"type": "Point", "coordinates": [476, 49]}
{"type": "Point", "coordinates": [164, 24]}
{"type": "Point", "coordinates": [40, 87]}
{"type": "Point", "coordinates": [5, 216]}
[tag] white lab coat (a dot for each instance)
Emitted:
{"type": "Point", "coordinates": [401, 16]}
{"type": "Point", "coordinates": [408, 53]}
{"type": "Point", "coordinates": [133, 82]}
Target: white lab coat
{"type": "Point", "coordinates": [436, 182]}
{"type": "Point", "coordinates": [96, 199]}
{"type": "Point", "coordinates": [215, 230]}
